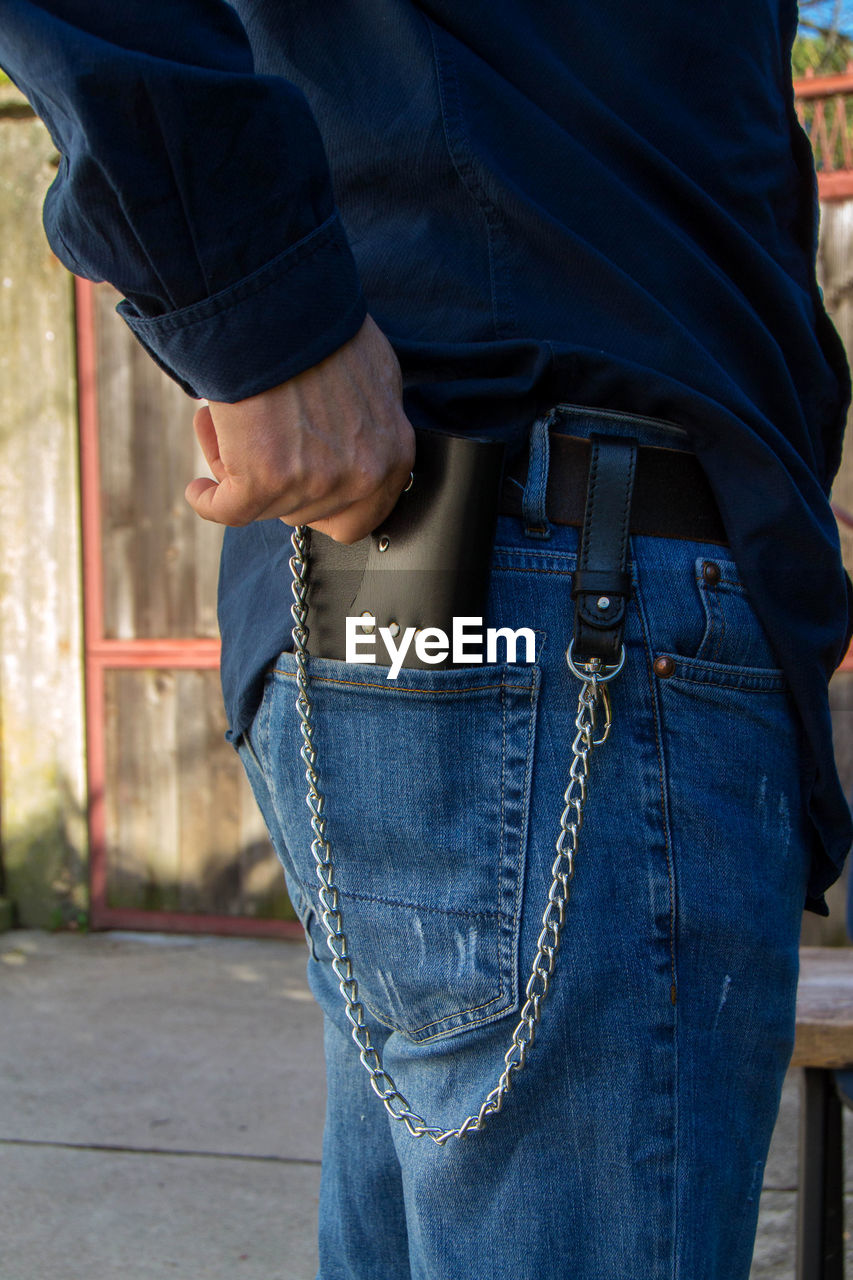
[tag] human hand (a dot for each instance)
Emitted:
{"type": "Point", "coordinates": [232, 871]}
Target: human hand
{"type": "Point", "coordinates": [331, 447]}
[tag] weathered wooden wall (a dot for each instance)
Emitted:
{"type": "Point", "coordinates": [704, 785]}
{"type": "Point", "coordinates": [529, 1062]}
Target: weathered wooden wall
{"type": "Point", "coordinates": [160, 561]}
{"type": "Point", "coordinates": [182, 830]}
{"type": "Point", "coordinates": [42, 760]}
{"type": "Point", "coordinates": [183, 833]}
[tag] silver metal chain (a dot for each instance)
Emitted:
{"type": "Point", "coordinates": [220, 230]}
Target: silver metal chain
{"type": "Point", "coordinates": [593, 691]}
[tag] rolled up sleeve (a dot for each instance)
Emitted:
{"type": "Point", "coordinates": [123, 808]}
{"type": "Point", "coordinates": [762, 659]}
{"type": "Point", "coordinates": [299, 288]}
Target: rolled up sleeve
{"type": "Point", "coordinates": [285, 317]}
{"type": "Point", "coordinates": [199, 189]}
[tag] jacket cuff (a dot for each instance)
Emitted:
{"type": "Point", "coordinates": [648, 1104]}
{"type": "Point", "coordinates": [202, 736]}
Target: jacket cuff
{"type": "Point", "coordinates": [280, 320]}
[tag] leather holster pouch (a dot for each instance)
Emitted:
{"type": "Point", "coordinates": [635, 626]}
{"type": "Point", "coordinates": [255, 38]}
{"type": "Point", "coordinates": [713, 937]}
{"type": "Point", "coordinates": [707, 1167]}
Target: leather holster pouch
{"type": "Point", "coordinates": [426, 564]}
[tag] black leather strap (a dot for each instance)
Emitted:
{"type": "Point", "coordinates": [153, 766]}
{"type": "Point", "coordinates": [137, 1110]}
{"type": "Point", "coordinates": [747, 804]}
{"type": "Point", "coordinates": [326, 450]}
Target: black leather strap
{"type": "Point", "coordinates": [602, 586]}
{"type": "Point", "coordinates": [672, 496]}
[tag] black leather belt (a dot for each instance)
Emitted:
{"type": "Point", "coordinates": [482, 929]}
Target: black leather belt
{"type": "Point", "coordinates": [672, 496]}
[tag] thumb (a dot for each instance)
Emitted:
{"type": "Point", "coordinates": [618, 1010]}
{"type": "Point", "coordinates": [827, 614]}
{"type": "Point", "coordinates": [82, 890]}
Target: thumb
{"type": "Point", "coordinates": [205, 430]}
{"type": "Point", "coordinates": [210, 498]}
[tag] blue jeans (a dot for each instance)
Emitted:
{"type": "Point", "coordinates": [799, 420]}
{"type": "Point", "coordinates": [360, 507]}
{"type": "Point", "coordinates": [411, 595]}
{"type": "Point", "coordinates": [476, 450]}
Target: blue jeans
{"type": "Point", "coordinates": [633, 1143]}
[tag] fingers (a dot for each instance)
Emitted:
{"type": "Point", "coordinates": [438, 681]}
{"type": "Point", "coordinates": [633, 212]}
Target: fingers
{"type": "Point", "coordinates": [359, 519]}
{"type": "Point", "coordinates": [232, 497]}
{"type": "Point", "coordinates": [214, 500]}
{"type": "Point", "coordinates": [331, 448]}
{"type": "Point", "coordinates": [226, 502]}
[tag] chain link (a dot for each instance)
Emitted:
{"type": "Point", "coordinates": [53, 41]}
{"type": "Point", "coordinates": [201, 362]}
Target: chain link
{"type": "Point", "coordinates": [553, 919]}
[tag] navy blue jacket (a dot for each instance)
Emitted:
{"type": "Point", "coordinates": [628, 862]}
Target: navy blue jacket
{"type": "Point", "coordinates": [601, 203]}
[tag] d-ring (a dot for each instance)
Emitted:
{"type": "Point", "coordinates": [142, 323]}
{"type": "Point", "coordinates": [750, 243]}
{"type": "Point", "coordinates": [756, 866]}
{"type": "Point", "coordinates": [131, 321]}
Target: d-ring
{"type": "Point", "coordinates": [606, 673]}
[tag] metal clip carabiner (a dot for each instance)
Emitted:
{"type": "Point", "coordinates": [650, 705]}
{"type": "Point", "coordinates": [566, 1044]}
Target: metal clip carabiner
{"type": "Point", "coordinates": [592, 673]}
{"type": "Point", "coordinates": [608, 715]}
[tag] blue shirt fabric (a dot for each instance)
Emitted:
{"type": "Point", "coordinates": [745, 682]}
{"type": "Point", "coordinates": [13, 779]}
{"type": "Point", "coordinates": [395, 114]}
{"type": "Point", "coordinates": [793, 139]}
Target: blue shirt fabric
{"type": "Point", "coordinates": [604, 204]}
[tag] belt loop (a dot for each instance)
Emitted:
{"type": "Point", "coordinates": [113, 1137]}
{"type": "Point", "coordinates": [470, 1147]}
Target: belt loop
{"type": "Point", "coordinates": [533, 502]}
{"type": "Point", "coordinates": [601, 586]}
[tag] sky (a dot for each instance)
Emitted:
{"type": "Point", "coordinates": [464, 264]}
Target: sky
{"type": "Point", "coordinates": [823, 12]}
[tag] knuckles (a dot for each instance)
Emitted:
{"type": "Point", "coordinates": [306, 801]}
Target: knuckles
{"type": "Point", "coordinates": [347, 481]}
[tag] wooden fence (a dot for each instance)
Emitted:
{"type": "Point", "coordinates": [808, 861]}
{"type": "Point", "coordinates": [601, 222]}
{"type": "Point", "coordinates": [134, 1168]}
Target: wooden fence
{"type": "Point", "coordinates": [176, 840]}
{"type": "Point", "coordinates": [136, 812]}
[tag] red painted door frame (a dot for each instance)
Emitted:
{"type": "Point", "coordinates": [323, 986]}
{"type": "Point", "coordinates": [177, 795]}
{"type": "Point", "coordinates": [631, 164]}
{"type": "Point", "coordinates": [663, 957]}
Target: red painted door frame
{"type": "Point", "coordinates": [103, 654]}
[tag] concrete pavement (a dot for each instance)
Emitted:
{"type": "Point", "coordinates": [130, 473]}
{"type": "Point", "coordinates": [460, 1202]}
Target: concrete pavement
{"type": "Point", "coordinates": [161, 1103]}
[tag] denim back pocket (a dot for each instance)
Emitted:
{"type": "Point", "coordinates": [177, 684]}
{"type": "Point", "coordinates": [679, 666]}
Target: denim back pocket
{"type": "Point", "coordinates": [425, 780]}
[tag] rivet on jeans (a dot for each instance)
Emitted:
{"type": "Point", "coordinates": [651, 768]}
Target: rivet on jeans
{"type": "Point", "coordinates": [664, 666]}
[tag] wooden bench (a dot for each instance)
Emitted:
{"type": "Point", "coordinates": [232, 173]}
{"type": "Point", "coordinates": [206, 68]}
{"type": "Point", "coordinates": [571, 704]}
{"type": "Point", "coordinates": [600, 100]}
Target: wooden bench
{"type": "Point", "coordinates": [823, 1045]}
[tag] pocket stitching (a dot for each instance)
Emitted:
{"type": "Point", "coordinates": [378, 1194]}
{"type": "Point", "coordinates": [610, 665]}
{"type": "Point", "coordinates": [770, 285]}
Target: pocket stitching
{"type": "Point", "coordinates": [699, 671]}
{"type": "Point", "coordinates": [444, 1023]}
{"type": "Point", "coordinates": [419, 906]}
{"type": "Point", "coordinates": [392, 687]}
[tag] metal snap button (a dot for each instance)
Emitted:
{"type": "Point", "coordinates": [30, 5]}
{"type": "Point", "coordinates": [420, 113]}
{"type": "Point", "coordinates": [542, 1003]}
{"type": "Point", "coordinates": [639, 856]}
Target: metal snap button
{"type": "Point", "coordinates": [664, 666]}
